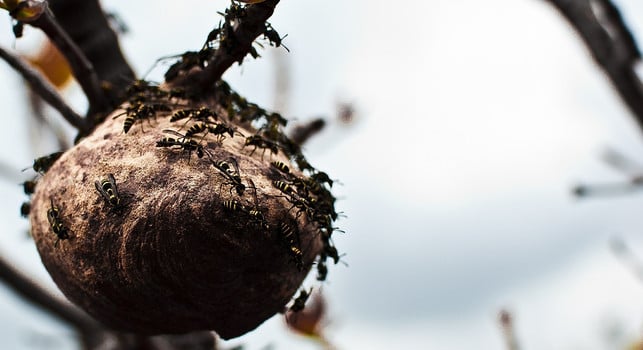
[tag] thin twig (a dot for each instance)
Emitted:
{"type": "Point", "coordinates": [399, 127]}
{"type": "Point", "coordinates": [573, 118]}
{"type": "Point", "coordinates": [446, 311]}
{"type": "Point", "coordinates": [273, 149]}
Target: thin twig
{"type": "Point", "coordinates": [252, 25]}
{"type": "Point", "coordinates": [35, 294]}
{"type": "Point", "coordinates": [81, 67]}
{"type": "Point", "coordinates": [506, 323]}
{"type": "Point", "coordinates": [44, 89]}
{"type": "Point", "coordinates": [611, 45]}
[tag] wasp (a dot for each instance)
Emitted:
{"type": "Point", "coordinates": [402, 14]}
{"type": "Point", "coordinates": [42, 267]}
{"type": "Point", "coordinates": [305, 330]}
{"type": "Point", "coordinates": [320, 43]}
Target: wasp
{"type": "Point", "coordinates": [29, 187]}
{"type": "Point", "coordinates": [233, 205]}
{"type": "Point", "coordinates": [302, 163]}
{"type": "Point", "coordinates": [108, 190]}
{"type": "Point", "coordinates": [18, 27]}
{"type": "Point", "coordinates": [322, 270]}
{"type": "Point", "coordinates": [25, 208]}
{"type": "Point", "coordinates": [290, 238]}
{"type": "Point", "coordinates": [273, 37]}
{"type": "Point", "coordinates": [255, 213]}
{"type": "Point", "coordinates": [196, 129]}
{"type": "Point", "coordinates": [297, 257]}
{"type": "Point", "coordinates": [331, 251]}
{"type": "Point", "coordinates": [202, 114]}
{"type": "Point", "coordinates": [212, 37]}
{"type": "Point", "coordinates": [300, 301]}
{"type": "Point", "coordinates": [143, 87]}
{"type": "Point", "coordinates": [55, 221]}
{"type": "Point", "coordinates": [281, 166]}
{"type": "Point", "coordinates": [137, 112]}
{"type": "Point", "coordinates": [321, 177]}
{"type": "Point", "coordinates": [303, 207]}
{"type": "Point", "coordinates": [183, 142]}
{"type": "Point", "coordinates": [181, 114]}
{"type": "Point", "coordinates": [230, 169]}
{"type": "Point", "coordinates": [188, 60]}
{"type": "Point", "coordinates": [43, 164]}
{"type": "Point", "coordinates": [260, 142]}
{"type": "Point", "coordinates": [235, 12]}
{"type": "Point", "coordinates": [218, 129]}
{"type": "Point", "coordinates": [283, 187]}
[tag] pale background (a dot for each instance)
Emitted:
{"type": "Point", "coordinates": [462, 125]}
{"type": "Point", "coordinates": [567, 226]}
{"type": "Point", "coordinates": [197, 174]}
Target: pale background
{"type": "Point", "coordinates": [475, 119]}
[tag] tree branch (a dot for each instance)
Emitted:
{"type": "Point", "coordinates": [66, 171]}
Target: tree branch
{"type": "Point", "coordinates": [45, 90]}
{"type": "Point", "coordinates": [85, 22]}
{"type": "Point", "coordinates": [81, 67]}
{"type": "Point", "coordinates": [34, 294]}
{"type": "Point", "coordinates": [245, 32]}
{"type": "Point", "coordinates": [611, 45]}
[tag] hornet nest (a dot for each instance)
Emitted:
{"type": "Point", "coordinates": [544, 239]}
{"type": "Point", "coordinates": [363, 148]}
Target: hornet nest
{"type": "Point", "coordinates": [176, 215]}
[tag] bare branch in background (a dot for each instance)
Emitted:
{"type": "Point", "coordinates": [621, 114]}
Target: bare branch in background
{"type": "Point", "coordinates": [81, 67]}
{"type": "Point", "coordinates": [506, 323]}
{"type": "Point", "coordinates": [621, 249]}
{"type": "Point", "coordinates": [86, 24]}
{"type": "Point", "coordinates": [621, 163]}
{"type": "Point", "coordinates": [611, 45]}
{"type": "Point", "coordinates": [45, 90]}
{"type": "Point", "coordinates": [38, 122]}
{"type": "Point", "coordinates": [34, 294]}
{"type": "Point", "coordinates": [608, 189]}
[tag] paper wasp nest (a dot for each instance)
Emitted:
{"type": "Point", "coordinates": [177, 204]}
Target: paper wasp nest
{"type": "Point", "coordinates": [154, 232]}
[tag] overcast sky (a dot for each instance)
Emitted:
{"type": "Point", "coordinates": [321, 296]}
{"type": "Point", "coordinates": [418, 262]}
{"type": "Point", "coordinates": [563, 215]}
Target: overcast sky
{"type": "Point", "coordinates": [474, 121]}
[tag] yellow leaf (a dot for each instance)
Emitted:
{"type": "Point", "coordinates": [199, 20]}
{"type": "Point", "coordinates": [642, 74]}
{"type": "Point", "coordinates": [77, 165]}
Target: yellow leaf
{"type": "Point", "coordinates": [52, 64]}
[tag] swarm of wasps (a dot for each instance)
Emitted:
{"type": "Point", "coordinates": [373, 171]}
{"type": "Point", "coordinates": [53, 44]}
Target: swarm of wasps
{"type": "Point", "coordinates": [106, 188]}
{"type": "Point", "coordinates": [309, 194]}
{"type": "Point", "coordinates": [40, 166]}
{"type": "Point", "coordinates": [146, 101]}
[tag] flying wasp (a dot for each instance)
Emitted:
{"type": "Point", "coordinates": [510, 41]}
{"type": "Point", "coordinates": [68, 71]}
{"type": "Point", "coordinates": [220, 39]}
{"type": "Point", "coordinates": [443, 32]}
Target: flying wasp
{"type": "Point", "coordinates": [108, 190]}
{"type": "Point", "coordinates": [58, 228]}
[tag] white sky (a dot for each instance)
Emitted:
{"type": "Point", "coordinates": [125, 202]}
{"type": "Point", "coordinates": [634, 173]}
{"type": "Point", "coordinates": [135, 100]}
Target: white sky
{"type": "Point", "coordinates": [475, 119]}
